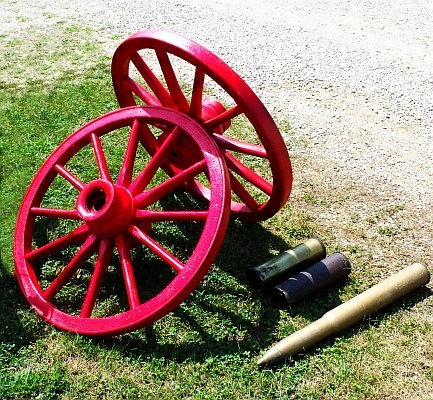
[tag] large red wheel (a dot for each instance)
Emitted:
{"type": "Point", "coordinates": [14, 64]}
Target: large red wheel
{"type": "Point", "coordinates": [160, 68]}
{"type": "Point", "coordinates": [106, 241]}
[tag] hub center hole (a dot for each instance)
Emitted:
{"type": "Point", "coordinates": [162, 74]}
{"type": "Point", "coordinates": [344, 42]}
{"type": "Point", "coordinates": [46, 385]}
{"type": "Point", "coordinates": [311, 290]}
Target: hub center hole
{"type": "Point", "coordinates": [96, 200]}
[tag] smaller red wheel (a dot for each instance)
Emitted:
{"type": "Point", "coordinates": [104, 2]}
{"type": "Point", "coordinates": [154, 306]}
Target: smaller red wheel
{"type": "Point", "coordinates": [106, 241]}
{"type": "Point", "coordinates": [156, 67]}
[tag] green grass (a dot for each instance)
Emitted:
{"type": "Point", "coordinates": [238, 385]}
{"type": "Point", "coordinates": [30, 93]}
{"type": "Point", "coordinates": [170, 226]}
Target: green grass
{"type": "Point", "coordinates": [207, 348]}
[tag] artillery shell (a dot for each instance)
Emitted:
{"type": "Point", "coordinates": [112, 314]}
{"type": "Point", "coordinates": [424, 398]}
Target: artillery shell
{"type": "Point", "coordinates": [286, 264]}
{"type": "Point", "coordinates": [347, 314]}
{"type": "Point", "coordinates": [310, 281]}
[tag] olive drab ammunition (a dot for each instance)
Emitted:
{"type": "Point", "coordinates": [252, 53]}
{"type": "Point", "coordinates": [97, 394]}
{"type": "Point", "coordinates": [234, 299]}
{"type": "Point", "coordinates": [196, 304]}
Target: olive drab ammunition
{"type": "Point", "coordinates": [286, 264]}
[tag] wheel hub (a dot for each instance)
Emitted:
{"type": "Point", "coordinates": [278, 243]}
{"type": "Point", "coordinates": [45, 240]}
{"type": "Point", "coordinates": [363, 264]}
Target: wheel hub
{"type": "Point", "coordinates": [106, 208]}
{"type": "Point", "coordinates": [211, 108]}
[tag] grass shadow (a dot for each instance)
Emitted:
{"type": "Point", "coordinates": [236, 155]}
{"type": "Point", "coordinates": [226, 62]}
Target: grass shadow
{"type": "Point", "coordinates": [216, 324]}
{"type": "Point", "coordinates": [15, 332]}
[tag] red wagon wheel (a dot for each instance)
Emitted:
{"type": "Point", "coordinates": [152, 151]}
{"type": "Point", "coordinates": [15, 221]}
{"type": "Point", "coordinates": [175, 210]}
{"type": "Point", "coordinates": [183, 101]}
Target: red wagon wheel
{"type": "Point", "coordinates": [106, 241]}
{"type": "Point", "coordinates": [160, 68]}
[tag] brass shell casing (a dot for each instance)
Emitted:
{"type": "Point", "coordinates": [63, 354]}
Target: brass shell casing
{"type": "Point", "coordinates": [286, 264]}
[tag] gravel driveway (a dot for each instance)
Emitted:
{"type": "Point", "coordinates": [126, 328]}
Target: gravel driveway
{"type": "Point", "coordinates": [354, 78]}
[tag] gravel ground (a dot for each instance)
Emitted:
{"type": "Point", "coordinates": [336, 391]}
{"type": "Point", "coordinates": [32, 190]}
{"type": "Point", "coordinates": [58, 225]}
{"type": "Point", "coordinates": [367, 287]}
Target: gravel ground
{"type": "Point", "coordinates": [355, 78]}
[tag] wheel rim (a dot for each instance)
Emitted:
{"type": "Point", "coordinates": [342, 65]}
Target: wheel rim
{"type": "Point", "coordinates": [104, 232]}
{"type": "Point", "coordinates": [260, 173]}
